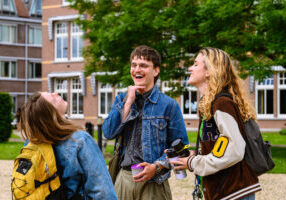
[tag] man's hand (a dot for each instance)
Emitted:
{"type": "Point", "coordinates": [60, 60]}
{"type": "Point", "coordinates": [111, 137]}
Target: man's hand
{"type": "Point", "coordinates": [131, 93]}
{"type": "Point", "coordinates": [147, 173]}
{"type": "Point", "coordinates": [130, 99]}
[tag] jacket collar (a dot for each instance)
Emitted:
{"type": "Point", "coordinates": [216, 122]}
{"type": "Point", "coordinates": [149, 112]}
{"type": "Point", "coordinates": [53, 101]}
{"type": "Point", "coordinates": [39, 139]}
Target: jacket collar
{"type": "Point", "coordinates": [154, 96]}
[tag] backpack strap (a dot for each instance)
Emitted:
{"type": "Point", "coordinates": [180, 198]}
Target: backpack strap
{"type": "Point", "coordinates": [47, 152]}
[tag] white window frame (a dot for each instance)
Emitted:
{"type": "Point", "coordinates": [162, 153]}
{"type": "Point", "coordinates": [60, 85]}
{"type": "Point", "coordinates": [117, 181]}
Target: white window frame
{"type": "Point", "coordinates": [76, 32]}
{"type": "Point", "coordinates": [264, 88]}
{"type": "Point", "coordinates": [33, 10]}
{"type": "Point", "coordinates": [61, 87]}
{"type": "Point", "coordinates": [10, 71]}
{"type": "Point", "coordinates": [77, 90]}
{"type": "Point", "coordinates": [62, 35]}
{"type": "Point", "coordinates": [120, 89]}
{"type": "Point", "coordinates": [104, 90]}
{"type": "Point", "coordinates": [279, 87]}
{"type": "Point", "coordinates": [10, 40]}
{"type": "Point", "coordinates": [15, 104]}
{"type": "Point", "coordinates": [32, 35]}
{"type": "Point", "coordinates": [10, 7]}
{"type": "Point", "coordinates": [33, 64]}
{"type": "Point", "coordinates": [189, 115]}
{"type": "Point", "coordinates": [190, 89]}
{"type": "Point", "coordinates": [65, 3]}
{"type": "Point", "coordinates": [165, 86]}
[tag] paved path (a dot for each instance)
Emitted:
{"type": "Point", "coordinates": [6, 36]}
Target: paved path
{"type": "Point", "coordinates": [273, 185]}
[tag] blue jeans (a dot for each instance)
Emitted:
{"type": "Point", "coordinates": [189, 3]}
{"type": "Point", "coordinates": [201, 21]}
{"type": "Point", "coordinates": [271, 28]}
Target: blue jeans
{"type": "Point", "coordinates": [249, 197]}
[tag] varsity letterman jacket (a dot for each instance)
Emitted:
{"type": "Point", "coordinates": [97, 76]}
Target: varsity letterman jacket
{"type": "Point", "coordinates": [225, 174]}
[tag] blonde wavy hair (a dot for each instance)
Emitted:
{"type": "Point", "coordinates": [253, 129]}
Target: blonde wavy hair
{"type": "Point", "coordinates": [223, 76]}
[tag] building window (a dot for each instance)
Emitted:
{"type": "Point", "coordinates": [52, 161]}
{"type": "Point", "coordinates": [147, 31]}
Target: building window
{"type": "Point", "coordinates": [61, 87]}
{"type": "Point", "coordinates": [105, 99]}
{"type": "Point", "coordinates": [61, 38]}
{"type": "Point", "coordinates": [36, 8]}
{"type": "Point", "coordinates": [35, 35]}
{"type": "Point", "coordinates": [264, 97]}
{"type": "Point", "coordinates": [189, 100]}
{"type": "Point", "coordinates": [120, 89]}
{"type": "Point", "coordinates": [76, 42]}
{"type": "Point", "coordinates": [8, 69]}
{"type": "Point", "coordinates": [14, 102]}
{"type": "Point", "coordinates": [281, 94]}
{"type": "Point", "coordinates": [7, 6]}
{"type": "Point", "coordinates": [65, 3]}
{"type": "Point", "coordinates": [76, 97]}
{"type": "Point", "coordinates": [7, 33]}
{"type": "Point", "coordinates": [35, 70]}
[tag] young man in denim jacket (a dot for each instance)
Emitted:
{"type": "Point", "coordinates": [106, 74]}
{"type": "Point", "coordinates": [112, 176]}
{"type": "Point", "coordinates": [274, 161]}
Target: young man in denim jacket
{"type": "Point", "coordinates": [149, 122]}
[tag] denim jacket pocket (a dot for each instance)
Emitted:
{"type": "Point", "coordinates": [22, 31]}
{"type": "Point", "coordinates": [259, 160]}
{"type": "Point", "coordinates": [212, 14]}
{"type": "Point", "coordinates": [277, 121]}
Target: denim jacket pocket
{"type": "Point", "coordinates": [161, 124]}
{"type": "Point", "coordinates": [160, 132]}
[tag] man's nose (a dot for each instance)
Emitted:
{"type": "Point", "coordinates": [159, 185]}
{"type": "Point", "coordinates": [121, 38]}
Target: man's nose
{"type": "Point", "coordinates": [137, 68]}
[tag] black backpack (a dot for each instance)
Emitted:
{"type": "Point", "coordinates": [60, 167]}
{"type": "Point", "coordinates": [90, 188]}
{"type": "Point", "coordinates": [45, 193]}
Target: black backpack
{"type": "Point", "coordinates": [257, 152]}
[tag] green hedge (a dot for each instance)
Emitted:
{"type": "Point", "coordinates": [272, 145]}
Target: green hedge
{"type": "Point", "coordinates": [5, 116]}
{"type": "Point", "coordinates": [283, 132]}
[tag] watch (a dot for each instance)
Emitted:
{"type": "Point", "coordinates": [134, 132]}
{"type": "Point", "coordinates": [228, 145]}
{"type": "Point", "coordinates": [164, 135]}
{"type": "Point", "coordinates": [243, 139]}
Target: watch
{"type": "Point", "coordinates": [158, 169]}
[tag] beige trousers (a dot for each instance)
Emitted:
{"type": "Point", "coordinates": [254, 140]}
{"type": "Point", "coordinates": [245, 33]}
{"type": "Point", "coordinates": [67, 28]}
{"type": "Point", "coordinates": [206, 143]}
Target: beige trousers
{"type": "Point", "coordinates": [127, 189]}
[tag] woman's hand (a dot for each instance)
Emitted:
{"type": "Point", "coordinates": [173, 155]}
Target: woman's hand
{"type": "Point", "coordinates": [182, 163]}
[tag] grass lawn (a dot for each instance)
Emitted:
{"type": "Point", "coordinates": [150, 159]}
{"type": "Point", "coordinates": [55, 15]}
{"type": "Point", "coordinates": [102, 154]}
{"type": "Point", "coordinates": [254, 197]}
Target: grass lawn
{"type": "Point", "coordinates": [10, 150]}
{"type": "Point", "coordinates": [274, 138]}
{"type": "Point", "coordinates": [15, 136]}
{"type": "Point", "coordinates": [279, 157]}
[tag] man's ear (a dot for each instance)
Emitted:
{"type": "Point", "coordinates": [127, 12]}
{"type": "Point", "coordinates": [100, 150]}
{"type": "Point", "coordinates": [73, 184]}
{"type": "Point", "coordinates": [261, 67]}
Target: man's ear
{"type": "Point", "coordinates": [157, 71]}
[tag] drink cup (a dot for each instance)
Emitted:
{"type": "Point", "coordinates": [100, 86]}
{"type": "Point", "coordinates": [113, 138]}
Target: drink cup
{"type": "Point", "coordinates": [136, 169]}
{"type": "Point", "coordinates": [173, 156]}
{"type": "Point", "coordinates": [179, 174]}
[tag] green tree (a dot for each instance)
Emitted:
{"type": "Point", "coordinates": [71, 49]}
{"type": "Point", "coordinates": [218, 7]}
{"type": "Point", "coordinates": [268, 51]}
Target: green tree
{"type": "Point", "coordinates": [178, 29]}
{"type": "Point", "coordinates": [5, 116]}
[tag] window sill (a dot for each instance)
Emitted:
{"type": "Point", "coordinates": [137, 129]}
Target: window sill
{"type": "Point", "coordinates": [104, 116]}
{"type": "Point", "coordinates": [9, 79]}
{"type": "Point", "coordinates": [79, 116]}
{"type": "Point", "coordinates": [265, 117]}
{"type": "Point", "coordinates": [61, 61]}
{"type": "Point", "coordinates": [190, 116]}
{"type": "Point", "coordinates": [67, 61]}
{"type": "Point", "coordinates": [35, 45]}
{"type": "Point", "coordinates": [76, 59]}
{"type": "Point", "coordinates": [35, 79]}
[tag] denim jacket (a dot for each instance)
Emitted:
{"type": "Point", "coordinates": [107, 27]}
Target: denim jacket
{"type": "Point", "coordinates": [84, 168]}
{"type": "Point", "coordinates": [162, 123]}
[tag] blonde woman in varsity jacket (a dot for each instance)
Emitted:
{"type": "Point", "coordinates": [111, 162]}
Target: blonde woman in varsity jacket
{"type": "Point", "coordinates": [220, 163]}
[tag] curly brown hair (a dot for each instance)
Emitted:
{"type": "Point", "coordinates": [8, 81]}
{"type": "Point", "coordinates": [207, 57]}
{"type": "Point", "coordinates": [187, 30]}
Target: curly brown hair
{"type": "Point", "coordinates": [149, 54]}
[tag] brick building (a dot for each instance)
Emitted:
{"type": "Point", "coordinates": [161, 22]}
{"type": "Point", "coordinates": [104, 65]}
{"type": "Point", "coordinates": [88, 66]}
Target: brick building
{"type": "Point", "coordinates": [88, 99]}
{"type": "Point", "coordinates": [20, 48]}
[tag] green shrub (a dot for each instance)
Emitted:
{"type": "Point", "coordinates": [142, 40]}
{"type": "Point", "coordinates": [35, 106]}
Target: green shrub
{"type": "Point", "coordinates": [5, 116]}
{"type": "Point", "coordinates": [283, 132]}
